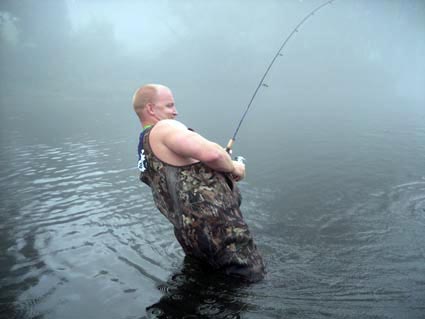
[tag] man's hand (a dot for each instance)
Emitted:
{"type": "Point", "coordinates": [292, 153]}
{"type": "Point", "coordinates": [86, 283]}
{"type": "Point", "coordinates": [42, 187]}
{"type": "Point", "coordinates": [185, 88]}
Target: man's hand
{"type": "Point", "coordinates": [238, 172]}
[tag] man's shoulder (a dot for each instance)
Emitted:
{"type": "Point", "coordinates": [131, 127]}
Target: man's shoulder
{"type": "Point", "coordinates": [166, 128]}
{"type": "Point", "coordinates": [169, 124]}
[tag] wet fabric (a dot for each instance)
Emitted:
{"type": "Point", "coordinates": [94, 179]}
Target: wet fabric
{"type": "Point", "coordinates": [203, 206]}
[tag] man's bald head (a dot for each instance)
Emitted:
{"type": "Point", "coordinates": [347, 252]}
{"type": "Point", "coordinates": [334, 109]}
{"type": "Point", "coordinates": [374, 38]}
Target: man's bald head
{"type": "Point", "coordinates": [146, 94]}
{"type": "Point", "coordinates": [154, 102]}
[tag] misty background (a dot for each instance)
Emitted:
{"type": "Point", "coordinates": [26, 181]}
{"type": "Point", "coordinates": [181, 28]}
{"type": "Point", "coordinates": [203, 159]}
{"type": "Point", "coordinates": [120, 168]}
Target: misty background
{"type": "Point", "coordinates": [354, 71]}
{"type": "Point", "coordinates": [213, 54]}
{"type": "Point", "coordinates": [335, 144]}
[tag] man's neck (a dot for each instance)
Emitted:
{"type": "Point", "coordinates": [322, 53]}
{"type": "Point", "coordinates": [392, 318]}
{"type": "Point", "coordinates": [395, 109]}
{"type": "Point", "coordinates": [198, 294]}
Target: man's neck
{"type": "Point", "coordinates": [147, 124]}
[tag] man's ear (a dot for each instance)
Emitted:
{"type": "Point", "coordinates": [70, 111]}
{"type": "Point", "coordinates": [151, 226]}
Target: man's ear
{"type": "Point", "coordinates": [150, 109]}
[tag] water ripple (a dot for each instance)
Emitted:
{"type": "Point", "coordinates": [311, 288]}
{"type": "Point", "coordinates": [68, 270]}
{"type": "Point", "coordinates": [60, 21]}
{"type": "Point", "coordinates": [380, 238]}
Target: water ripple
{"type": "Point", "coordinates": [76, 218]}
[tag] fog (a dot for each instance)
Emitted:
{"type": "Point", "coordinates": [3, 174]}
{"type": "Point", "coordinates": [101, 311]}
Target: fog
{"type": "Point", "coordinates": [334, 143]}
{"type": "Point", "coordinates": [212, 54]}
{"type": "Point", "coordinates": [74, 65]}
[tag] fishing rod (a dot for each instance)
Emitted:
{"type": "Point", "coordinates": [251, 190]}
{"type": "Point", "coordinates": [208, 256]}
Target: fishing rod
{"type": "Point", "coordinates": [279, 53]}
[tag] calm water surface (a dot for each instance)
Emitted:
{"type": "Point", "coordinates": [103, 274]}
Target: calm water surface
{"type": "Point", "coordinates": [339, 219]}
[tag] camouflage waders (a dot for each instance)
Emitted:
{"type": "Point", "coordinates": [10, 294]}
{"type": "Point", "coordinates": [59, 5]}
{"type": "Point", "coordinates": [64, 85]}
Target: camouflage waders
{"type": "Point", "coordinates": [203, 206]}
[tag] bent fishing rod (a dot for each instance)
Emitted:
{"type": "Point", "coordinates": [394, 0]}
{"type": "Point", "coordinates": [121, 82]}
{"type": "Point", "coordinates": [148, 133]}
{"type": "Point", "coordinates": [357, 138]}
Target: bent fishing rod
{"type": "Point", "coordinates": [279, 53]}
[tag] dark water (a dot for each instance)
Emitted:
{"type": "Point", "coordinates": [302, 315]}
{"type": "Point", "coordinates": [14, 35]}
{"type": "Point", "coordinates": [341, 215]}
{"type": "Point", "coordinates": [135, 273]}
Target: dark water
{"type": "Point", "coordinates": [335, 191]}
{"type": "Point", "coordinates": [339, 220]}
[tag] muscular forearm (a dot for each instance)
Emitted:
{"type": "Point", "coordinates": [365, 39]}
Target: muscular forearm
{"type": "Point", "coordinates": [218, 159]}
{"type": "Point", "coordinates": [188, 144]}
{"type": "Point", "coordinates": [224, 163]}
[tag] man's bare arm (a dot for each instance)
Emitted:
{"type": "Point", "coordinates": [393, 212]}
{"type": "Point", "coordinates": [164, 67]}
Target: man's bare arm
{"type": "Point", "coordinates": [188, 144]}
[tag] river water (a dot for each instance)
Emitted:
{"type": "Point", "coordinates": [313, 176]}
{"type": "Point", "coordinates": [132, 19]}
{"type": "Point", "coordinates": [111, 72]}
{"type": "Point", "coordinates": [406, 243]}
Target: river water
{"type": "Point", "coordinates": [340, 224]}
{"type": "Point", "coordinates": [334, 194]}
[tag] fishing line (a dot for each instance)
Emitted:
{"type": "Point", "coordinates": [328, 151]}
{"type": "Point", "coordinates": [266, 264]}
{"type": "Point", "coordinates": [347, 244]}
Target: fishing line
{"type": "Point", "coordinates": [279, 53]}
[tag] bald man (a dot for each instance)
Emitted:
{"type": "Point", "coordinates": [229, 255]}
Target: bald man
{"type": "Point", "coordinates": [193, 185]}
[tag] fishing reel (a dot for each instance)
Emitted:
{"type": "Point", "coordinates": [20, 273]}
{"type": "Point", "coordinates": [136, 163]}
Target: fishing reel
{"type": "Point", "coordinates": [228, 149]}
{"type": "Point", "coordinates": [240, 159]}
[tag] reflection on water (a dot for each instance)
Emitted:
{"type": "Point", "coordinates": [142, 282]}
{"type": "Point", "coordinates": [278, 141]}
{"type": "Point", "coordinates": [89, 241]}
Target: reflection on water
{"type": "Point", "coordinates": [189, 293]}
{"type": "Point", "coordinates": [73, 225]}
{"type": "Point", "coordinates": [82, 238]}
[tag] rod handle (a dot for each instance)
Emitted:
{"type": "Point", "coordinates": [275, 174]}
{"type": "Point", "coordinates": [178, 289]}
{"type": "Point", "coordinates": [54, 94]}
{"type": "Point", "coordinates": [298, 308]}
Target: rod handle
{"type": "Point", "coordinates": [229, 146]}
